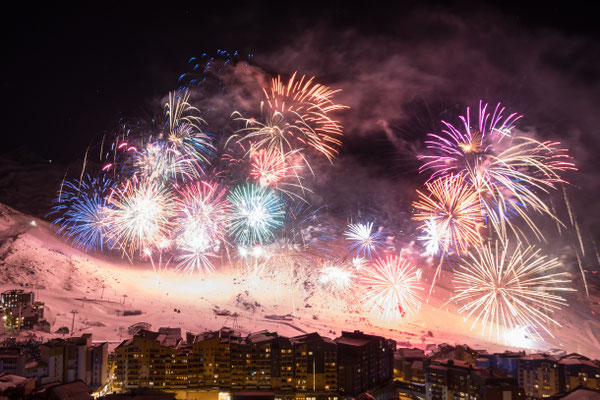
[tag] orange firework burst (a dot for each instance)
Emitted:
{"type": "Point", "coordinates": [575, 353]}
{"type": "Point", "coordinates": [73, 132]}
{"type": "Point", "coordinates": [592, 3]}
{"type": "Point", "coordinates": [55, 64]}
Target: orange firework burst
{"type": "Point", "coordinates": [268, 166]}
{"type": "Point", "coordinates": [453, 207]}
{"type": "Point", "coordinates": [297, 114]}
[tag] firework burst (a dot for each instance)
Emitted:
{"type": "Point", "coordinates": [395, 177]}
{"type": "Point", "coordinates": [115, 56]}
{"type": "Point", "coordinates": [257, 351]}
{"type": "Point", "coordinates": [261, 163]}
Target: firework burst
{"type": "Point", "coordinates": [452, 214]}
{"type": "Point", "coordinates": [159, 161]}
{"type": "Point", "coordinates": [505, 290]}
{"type": "Point", "coordinates": [336, 276]}
{"type": "Point", "coordinates": [307, 106]}
{"type": "Point", "coordinates": [139, 216]}
{"type": "Point", "coordinates": [82, 207]}
{"type": "Point", "coordinates": [256, 213]}
{"type": "Point", "coordinates": [511, 182]}
{"type": "Point", "coordinates": [509, 172]}
{"type": "Point", "coordinates": [458, 148]}
{"type": "Point", "coordinates": [392, 288]}
{"type": "Point", "coordinates": [271, 168]}
{"type": "Point", "coordinates": [364, 241]}
{"type": "Point", "coordinates": [358, 263]}
{"type": "Point", "coordinates": [201, 223]}
{"type": "Point", "coordinates": [435, 237]}
{"type": "Point", "coordinates": [268, 167]}
{"type": "Point", "coordinates": [183, 128]}
{"type": "Point", "coordinates": [297, 116]}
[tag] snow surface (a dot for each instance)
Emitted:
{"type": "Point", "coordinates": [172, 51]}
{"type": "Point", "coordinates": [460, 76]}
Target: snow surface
{"type": "Point", "coordinates": [98, 288]}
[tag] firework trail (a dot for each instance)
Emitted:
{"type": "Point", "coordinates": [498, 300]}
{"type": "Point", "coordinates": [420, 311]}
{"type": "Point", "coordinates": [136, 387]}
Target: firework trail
{"type": "Point", "coordinates": [139, 216]}
{"type": "Point", "coordinates": [574, 223]}
{"type": "Point", "coordinates": [392, 288]}
{"type": "Point", "coordinates": [118, 157]}
{"type": "Point", "coordinates": [364, 241]}
{"type": "Point", "coordinates": [452, 218]}
{"type": "Point", "coordinates": [256, 213]}
{"type": "Point", "coordinates": [183, 128]}
{"type": "Point", "coordinates": [504, 290]}
{"type": "Point", "coordinates": [160, 263]}
{"type": "Point", "coordinates": [82, 207]}
{"type": "Point", "coordinates": [273, 258]}
{"type": "Point", "coordinates": [508, 184]}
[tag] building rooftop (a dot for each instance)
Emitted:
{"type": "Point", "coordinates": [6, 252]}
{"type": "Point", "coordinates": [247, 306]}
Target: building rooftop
{"type": "Point", "coordinates": [350, 341]}
{"type": "Point", "coordinates": [169, 337]}
{"type": "Point", "coordinates": [8, 381]}
{"type": "Point", "coordinates": [458, 364]}
{"type": "Point", "coordinates": [410, 353]}
{"type": "Point", "coordinates": [311, 338]}
{"type": "Point", "coordinates": [418, 364]}
{"type": "Point", "coordinates": [538, 356]}
{"type": "Point", "coordinates": [582, 394]}
{"type": "Point", "coordinates": [577, 361]}
{"type": "Point", "coordinates": [70, 391]}
{"type": "Point", "coordinates": [15, 291]}
{"type": "Point", "coordinates": [142, 394]}
{"type": "Point", "coordinates": [437, 367]}
{"type": "Point", "coordinates": [76, 341]}
{"type": "Point", "coordinates": [262, 336]}
{"type": "Point", "coordinates": [510, 354]}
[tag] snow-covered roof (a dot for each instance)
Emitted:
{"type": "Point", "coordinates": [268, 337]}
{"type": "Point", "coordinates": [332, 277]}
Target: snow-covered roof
{"type": "Point", "coordinates": [311, 337]}
{"type": "Point", "coordinates": [538, 356]}
{"type": "Point", "coordinates": [8, 381]}
{"type": "Point", "coordinates": [582, 394]}
{"type": "Point", "coordinates": [72, 391]}
{"type": "Point", "coordinates": [577, 361]}
{"type": "Point", "coordinates": [350, 341]}
{"type": "Point", "coordinates": [510, 354]}
{"type": "Point", "coordinates": [418, 364]}
{"type": "Point", "coordinates": [261, 336]}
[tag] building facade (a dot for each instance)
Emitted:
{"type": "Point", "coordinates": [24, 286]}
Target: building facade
{"type": "Point", "coordinates": [538, 375]}
{"type": "Point", "coordinates": [315, 365]}
{"type": "Point", "coordinates": [75, 358]}
{"type": "Point", "coordinates": [458, 380]}
{"type": "Point", "coordinates": [12, 361]}
{"type": "Point", "coordinates": [576, 370]}
{"type": "Point", "coordinates": [365, 362]}
{"type": "Point", "coordinates": [20, 310]}
{"type": "Point", "coordinates": [301, 367]}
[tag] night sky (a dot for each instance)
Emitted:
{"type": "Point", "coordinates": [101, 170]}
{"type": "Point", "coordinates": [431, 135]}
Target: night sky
{"type": "Point", "coordinates": [69, 74]}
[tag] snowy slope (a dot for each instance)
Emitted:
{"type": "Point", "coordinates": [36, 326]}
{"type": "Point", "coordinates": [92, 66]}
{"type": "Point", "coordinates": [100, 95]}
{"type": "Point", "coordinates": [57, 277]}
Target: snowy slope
{"type": "Point", "coordinates": [98, 288]}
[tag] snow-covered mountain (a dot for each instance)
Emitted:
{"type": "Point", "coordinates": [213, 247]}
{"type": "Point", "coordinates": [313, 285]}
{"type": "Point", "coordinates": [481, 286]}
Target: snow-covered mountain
{"type": "Point", "coordinates": [97, 290]}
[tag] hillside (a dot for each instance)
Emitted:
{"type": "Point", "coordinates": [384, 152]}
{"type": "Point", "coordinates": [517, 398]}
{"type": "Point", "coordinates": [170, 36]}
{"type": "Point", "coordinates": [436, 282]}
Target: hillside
{"type": "Point", "coordinates": [99, 288]}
